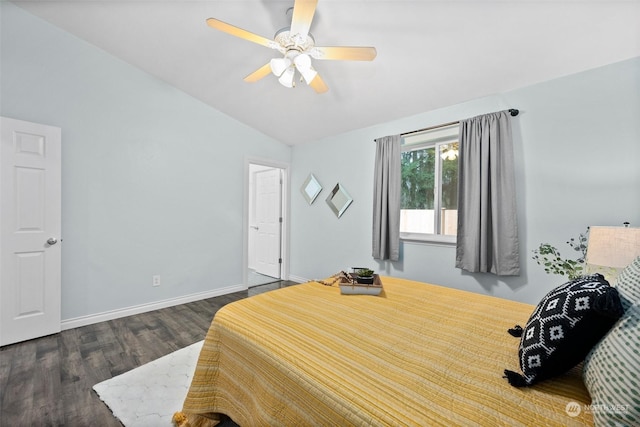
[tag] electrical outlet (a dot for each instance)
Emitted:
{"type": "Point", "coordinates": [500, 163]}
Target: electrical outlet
{"type": "Point", "coordinates": [156, 280]}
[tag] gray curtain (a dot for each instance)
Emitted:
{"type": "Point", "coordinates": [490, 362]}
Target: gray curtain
{"type": "Point", "coordinates": [487, 224]}
{"type": "Point", "coordinates": [386, 199]}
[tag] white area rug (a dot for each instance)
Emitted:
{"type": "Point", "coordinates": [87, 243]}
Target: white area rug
{"type": "Point", "coordinates": [151, 393]}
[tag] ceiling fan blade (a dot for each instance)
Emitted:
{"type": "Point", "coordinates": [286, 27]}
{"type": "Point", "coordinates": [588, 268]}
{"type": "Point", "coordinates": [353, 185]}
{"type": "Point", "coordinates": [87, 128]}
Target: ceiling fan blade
{"type": "Point", "coordinates": [344, 53]}
{"type": "Point", "coordinates": [260, 73]}
{"type": "Point", "coordinates": [303, 11]}
{"type": "Point", "coordinates": [318, 84]}
{"type": "Point", "coordinates": [239, 32]}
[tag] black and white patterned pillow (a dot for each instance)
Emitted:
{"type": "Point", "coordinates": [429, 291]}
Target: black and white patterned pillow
{"type": "Point", "coordinates": [564, 327]}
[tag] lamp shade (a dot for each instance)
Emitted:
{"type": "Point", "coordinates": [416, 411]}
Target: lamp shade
{"type": "Point", "coordinates": [302, 61]}
{"type": "Point", "coordinates": [614, 247]}
{"type": "Point", "coordinates": [278, 65]}
{"type": "Point", "coordinates": [286, 79]}
{"type": "Point", "coordinates": [303, 64]}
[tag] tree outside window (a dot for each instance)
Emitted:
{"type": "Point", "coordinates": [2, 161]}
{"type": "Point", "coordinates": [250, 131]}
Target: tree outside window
{"type": "Point", "coordinates": [429, 186]}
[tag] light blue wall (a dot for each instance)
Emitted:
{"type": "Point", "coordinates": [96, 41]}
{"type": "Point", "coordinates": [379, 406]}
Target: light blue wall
{"type": "Point", "coordinates": [152, 179]}
{"type": "Point", "coordinates": [577, 153]}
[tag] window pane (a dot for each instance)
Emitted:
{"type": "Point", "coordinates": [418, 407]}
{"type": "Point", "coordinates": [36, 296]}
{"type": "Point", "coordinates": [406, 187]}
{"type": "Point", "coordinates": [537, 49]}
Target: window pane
{"type": "Point", "coordinates": [417, 195]}
{"type": "Point", "coordinates": [429, 196]}
{"type": "Point", "coordinates": [449, 202]}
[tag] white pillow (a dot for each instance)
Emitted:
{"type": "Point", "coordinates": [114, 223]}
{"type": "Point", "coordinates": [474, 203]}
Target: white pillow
{"type": "Point", "coordinates": [628, 284]}
{"type": "Point", "coordinates": [612, 373]}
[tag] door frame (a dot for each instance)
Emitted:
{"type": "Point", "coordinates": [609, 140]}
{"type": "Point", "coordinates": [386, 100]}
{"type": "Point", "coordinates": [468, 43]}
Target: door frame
{"type": "Point", "coordinates": [284, 238]}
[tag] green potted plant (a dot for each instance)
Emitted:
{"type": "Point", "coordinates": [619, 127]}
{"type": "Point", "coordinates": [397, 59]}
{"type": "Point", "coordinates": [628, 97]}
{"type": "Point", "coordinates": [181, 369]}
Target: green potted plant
{"type": "Point", "coordinates": [364, 276]}
{"type": "Point", "coordinates": [549, 257]}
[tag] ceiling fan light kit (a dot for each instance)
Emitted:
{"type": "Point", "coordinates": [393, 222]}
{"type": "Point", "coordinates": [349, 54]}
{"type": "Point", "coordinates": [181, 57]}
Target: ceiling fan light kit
{"type": "Point", "coordinates": [298, 47]}
{"type": "Point", "coordinates": [286, 79]}
{"type": "Point", "coordinates": [293, 60]}
{"type": "Point", "coordinates": [278, 65]}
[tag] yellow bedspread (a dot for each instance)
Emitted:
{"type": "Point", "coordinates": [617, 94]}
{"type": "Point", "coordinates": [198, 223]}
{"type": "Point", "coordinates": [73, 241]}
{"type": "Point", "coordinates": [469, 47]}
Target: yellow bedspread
{"type": "Point", "coordinates": [417, 355]}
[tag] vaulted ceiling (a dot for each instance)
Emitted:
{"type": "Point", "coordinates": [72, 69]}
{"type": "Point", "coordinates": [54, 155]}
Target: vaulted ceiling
{"type": "Point", "coordinates": [431, 54]}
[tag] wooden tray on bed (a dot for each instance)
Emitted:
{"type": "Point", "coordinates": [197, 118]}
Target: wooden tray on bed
{"type": "Point", "coordinates": [351, 287]}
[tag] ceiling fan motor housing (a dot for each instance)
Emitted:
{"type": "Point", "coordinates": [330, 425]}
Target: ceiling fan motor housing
{"type": "Point", "coordinates": [288, 41]}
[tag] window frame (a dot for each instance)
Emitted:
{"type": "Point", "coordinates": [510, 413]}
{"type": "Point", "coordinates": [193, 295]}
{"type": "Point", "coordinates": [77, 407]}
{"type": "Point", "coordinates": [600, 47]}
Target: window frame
{"type": "Point", "coordinates": [436, 137]}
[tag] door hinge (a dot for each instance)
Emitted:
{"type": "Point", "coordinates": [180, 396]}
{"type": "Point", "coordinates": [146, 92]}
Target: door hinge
{"type": "Point", "coordinates": [280, 219]}
{"type": "Point", "coordinates": [279, 260]}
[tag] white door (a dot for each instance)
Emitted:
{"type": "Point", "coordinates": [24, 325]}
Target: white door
{"type": "Point", "coordinates": [268, 221]}
{"type": "Point", "coordinates": [30, 225]}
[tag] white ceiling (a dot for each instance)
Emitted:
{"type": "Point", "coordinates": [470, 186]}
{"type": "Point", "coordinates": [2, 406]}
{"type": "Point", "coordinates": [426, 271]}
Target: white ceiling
{"type": "Point", "coordinates": [431, 54]}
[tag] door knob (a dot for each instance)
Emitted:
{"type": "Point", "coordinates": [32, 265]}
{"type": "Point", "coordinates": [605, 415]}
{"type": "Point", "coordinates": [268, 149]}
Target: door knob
{"type": "Point", "coordinates": [52, 240]}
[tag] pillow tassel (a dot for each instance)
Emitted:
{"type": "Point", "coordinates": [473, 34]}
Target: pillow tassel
{"type": "Point", "coordinates": [179, 419]}
{"type": "Point", "coordinates": [515, 379]}
{"type": "Point", "coordinates": [608, 304]}
{"type": "Point", "coordinates": [516, 331]}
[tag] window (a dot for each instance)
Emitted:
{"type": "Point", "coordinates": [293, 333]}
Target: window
{"type": "Point", "coordinates": [429, 198]}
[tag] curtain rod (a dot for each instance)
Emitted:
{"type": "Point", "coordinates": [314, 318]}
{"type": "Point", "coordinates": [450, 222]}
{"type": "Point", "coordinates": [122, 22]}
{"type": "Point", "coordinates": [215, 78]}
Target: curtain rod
{"type": "Point", "coordinates": [514, 112]}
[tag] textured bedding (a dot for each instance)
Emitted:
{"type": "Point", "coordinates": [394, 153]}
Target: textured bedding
{"type": "Point", "coordinates": [417, 355]}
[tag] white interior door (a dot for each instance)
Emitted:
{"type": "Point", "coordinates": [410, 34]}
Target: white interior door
{"type": "Point", "coordinates": [30, 225]}
{"type": "Point", "coordinates": [268, 222]}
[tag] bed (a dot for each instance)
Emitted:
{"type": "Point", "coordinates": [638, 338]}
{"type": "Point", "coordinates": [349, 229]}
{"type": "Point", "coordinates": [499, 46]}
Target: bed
{"type": "Point", "coordinates": [416, 355]}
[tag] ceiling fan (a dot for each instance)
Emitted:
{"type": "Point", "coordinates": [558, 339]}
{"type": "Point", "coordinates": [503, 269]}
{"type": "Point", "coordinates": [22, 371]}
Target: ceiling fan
{"type": "Point", "coordinates": [297, 46]}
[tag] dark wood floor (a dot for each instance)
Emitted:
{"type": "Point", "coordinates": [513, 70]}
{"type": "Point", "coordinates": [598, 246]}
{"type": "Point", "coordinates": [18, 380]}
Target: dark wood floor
{"type": "Point", "coordinates": [48, 381]}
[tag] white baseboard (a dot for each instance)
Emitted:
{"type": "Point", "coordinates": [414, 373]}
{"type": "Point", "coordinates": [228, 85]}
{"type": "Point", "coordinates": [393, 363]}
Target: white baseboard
{"type": "Point", "coordinates": [298, 279]}
{"type": "Point", "coordinates": [76, 322]}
